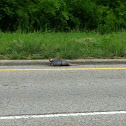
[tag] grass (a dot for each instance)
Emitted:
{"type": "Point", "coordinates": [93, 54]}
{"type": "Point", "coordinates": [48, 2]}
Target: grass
{"type": "Point", "coordinates": [72, 45]}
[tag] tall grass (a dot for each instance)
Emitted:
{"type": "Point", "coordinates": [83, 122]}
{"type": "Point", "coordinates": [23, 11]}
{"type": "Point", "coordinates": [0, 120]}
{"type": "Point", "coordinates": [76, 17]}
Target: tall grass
{"type": "Point", "coordinates": [62, 45]}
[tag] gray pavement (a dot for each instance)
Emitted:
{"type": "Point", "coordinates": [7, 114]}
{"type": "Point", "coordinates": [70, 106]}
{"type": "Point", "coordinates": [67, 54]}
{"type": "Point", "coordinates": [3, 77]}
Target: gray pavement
{"type": "Point", "coordinates": [46, 92]}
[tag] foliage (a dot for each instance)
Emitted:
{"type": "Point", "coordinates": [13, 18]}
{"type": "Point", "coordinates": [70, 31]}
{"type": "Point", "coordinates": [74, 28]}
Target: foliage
{"type": "Point", "coordinates": [62, 15]}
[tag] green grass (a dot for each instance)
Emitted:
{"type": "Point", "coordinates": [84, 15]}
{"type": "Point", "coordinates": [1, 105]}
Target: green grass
{"type": "Point", "coordinates": [72, 45]}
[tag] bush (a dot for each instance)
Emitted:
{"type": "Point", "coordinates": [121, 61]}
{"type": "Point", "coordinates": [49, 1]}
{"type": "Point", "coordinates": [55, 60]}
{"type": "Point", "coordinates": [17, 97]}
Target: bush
{"type": "Point", "coordinates": [62, 15]}
{"type": "Point", "coordinates": [84, 14]}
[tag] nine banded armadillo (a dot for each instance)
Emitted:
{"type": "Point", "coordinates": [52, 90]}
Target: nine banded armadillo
{"type": "Point", "coordinates": [57, 62]}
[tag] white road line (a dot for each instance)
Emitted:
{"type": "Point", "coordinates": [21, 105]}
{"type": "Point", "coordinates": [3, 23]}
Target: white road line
{"type": "Point", "coordinates": [61, 115]}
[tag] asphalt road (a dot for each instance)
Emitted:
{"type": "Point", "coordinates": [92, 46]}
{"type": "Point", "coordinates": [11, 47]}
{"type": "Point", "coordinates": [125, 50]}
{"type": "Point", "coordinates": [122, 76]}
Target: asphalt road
{"type": "Point", "coordinates": [32, 90]}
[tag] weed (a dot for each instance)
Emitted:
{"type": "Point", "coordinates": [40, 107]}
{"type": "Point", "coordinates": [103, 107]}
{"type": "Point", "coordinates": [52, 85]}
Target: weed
{"type": "Point", "coordinates": [72, 45]}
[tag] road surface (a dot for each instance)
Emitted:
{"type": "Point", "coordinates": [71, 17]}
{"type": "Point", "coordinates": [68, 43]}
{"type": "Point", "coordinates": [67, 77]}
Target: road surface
{"type": "Point", "coordinates": [63, 96]}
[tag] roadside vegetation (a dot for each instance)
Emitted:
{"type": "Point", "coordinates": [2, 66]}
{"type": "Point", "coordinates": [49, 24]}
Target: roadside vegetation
{"type": "Point", "coordinates": [104, 16]}
{"type": "Point", "coordinates": [70, 29]}
{"type": "Point", "coordinates": [71, 45]}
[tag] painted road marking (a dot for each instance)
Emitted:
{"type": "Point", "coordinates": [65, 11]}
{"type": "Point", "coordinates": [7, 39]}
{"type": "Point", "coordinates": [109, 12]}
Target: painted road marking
{"type": "Point", "coordinates": [63, 69]}
{"type": "Point", "coordinates": [61, 115]}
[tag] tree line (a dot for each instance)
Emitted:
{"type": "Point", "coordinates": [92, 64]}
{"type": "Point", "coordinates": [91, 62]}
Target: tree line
{"type": "Point", "coordinates": [62, 15]}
